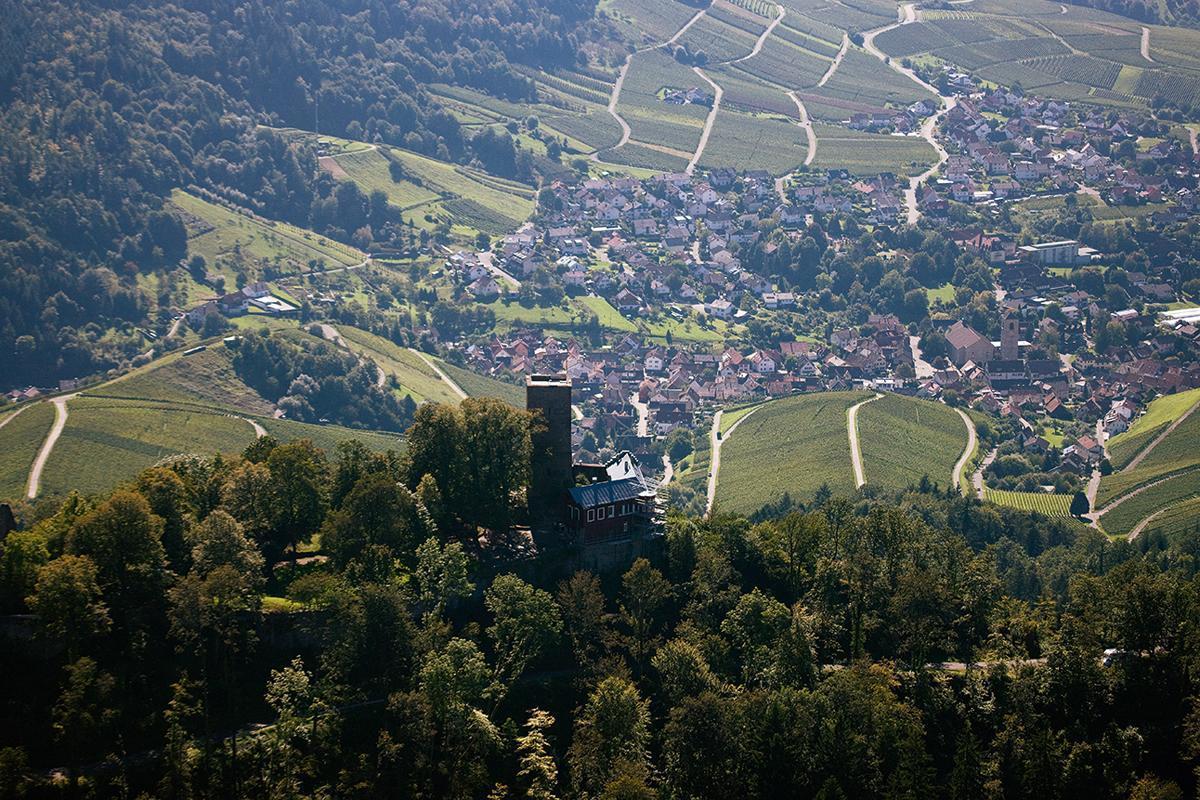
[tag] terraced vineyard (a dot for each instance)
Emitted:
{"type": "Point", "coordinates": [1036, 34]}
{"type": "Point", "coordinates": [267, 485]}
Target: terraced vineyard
{"type": "Point", "coordinates": [1076, 54]}
{"type": "Point", "coordinates": [1183, 518]}
{"type": "Point", "coordinates": [1052, 505]}
{"type": "Point", "coordinates": [1158, 415]}
{"type": "Point", "coordinates": [904, 439]}
{"type": "Point", "coordinates": [793, 445]}
{"type": "Point", "coordinates": [1124, 518]}
{"type": "Point", "coordinates": [1173, 454]}
{"type": "Point", "coordinates": [20, 439]}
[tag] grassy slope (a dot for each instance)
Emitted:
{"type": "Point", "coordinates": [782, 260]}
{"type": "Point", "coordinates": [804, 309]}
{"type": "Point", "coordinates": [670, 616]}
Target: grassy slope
{"type": "Point", "coordinates": [477, 385]}
{"type": "Point", "coordinates": [413, 373]}
{"type": "Point", "coordinates": [248, 240]}
{"type": "Point", "coordinates": [1125, 517]}
{"type": "Point", "coordinates": [903, 439]}
{"type": "Point", "coordinates": [792, 445]}
{"type": "Point", "coordinates": [1159, 414]}
{"type": "Point", "coordinates": [19, 443]}
{"type": "Point", "coordinates": [206, 378]}
{"type": "Point", "coordinates": [106, 441]}
{"type": "Point", "coordinates": [327, 437]}
{"type": "Point", "coordinates": [1177, 452]}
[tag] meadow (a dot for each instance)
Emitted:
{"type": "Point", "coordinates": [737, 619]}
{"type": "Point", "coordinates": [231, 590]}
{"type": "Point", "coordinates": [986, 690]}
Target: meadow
{"type": "Point", "coordinates": [904, 439]}
{"type": "Point", "coordinates": [477, 385]}
{"type": "Point", "coordinates": [230, 240]}
{"type": "Point", "coordinates": [418, 380]}
{"type": "Point", "coordinates": [204, 379]}
{"type": "Point", "coordinates": [794, 445]}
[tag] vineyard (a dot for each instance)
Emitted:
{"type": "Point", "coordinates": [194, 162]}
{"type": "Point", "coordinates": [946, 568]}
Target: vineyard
{"type": "Point", "coordinates": [1052, 505]}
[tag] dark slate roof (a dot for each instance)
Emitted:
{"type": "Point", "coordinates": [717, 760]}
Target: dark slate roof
{"type": "Point", "coordinates": [607, 492]}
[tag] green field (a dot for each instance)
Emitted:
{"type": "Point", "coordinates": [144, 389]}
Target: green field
{"type": "Point", "coordinates": [107, 441]}
{"type": "Point", "coordinates": [903, 439]}
{"type": "Point", "coordinates": [232, 241]}
{"type": "Point", "coordinates": [418, 379]}
{"type": "Point", "coordinates": [793, 445]}
{"type": "Point", "coordinates": [206, 378]}
{"type": "Point", "coordinates": [327, 437]}
{"type": "Point", "coordinates": [477, 385]}
{"type": "Point", "coordinates": [1125, 517]}
{"type": "Point", "coordinates": [1181, 518]}
{"type": "Point", "coordinates": [20, 439]}
{"type": "Point", "coordinates": [1177, 452]}
{"type": "Point", "coordinates": [870, 153]}
{"type": "Point", "coordinates": [470, 199]}
{"type": "Point", "coordinates": [1052, 505]}
{"type": "Point", "coordinates": [729, 417]}
{"type": "Point", "coordinates": [1159, 414]}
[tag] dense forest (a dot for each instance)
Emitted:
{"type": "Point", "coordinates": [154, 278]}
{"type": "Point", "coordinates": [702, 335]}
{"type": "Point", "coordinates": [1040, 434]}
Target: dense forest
{"type": "Point", "coordinates": [288, 623]}
{"type": "Point", "coordinates": [108, 106]}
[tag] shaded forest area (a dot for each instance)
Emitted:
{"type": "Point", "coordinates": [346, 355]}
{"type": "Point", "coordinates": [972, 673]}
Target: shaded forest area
{"type": "Point", "coordinates": [107, 106]}
{"type": "Point", "coordinates": [289, 623]}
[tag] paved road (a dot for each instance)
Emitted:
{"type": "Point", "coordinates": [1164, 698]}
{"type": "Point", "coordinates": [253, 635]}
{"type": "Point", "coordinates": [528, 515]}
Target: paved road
{"type": "Point", "coordinates": [922, 367]}
{"type": "Point", "coordinates": [488, 259]}
{"type": "Point", "coordinates": [972, 442]}
{"type": "Point", "coordinates": [458, 390]}
{"type": "Point", "coordinates": [1146, 44]}
{"type": "Point", "coordinates": [716, 440]}
{"type": "Point", "coordinates": [977, 478]}
{"type": "Point", "coordinates": [643, 412]}
{"type": "Point", "coordinates": [806, 124]}
{"type": "Point", "coordinates": [708, 122]}
{"type": "Point", "coordinates": [39, 463]}
{"type": "Point", "coordinates": [909, 16]}
{"type": "Point", "coordinates": [852, 431]}
{"type": "Point", "coordinates": [837, 60]}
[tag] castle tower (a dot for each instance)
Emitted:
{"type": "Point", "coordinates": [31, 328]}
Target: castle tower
{"type": "Point", "coordinates": [1010, 336]}
{"type": "Point", "coordinates": [548, 398]}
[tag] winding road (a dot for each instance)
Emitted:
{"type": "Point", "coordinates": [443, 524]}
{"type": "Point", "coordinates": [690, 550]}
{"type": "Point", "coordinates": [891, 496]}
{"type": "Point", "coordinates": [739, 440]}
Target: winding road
{"type": "Point", "coordinates": [39, 463]}
{"type": "Point", "coordinates": [762, 38]}
{"type": "Point", "coordinates": [837, 60]}
{"type": "Point", "coordinates": [716, 440]}
{"type": "Point", "coordinates": [852, 431]}
{"type": "Point", "coordinates": [806, 124]}
{"type": "Point", "coordinates": [977, 478]}
{"type": "Point", "coordinates": [615, 96]}
{"type": "Point", "coordinates": [908, 16]}
{"type": "Point", "coordinates": [708, 122]}
{"type": "Point", "coordinates": [972, 443]}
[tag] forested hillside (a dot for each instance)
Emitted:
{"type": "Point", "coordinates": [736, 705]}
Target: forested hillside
{"type": "Point", "coordinates": [108, 106]}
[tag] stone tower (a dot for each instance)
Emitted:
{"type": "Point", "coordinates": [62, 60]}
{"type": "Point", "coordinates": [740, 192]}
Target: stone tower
{"type": "Point", "coordinates": [551, 474]}
{"type": "Point", "coordinates": [1010, 336]}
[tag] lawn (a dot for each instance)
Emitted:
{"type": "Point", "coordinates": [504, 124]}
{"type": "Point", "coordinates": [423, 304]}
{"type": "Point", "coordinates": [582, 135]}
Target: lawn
{"type": "Point", "coordinates": [904, 439]}
{"type": "Point", "coordinates": [794, 446]}
{"type": "Point", "coordinates": [1052, 505]}
{"type": "Point", "coordinates": [227, 239]}
{"type": "Point", "coordinates": [1125, 517]}
{"type": "Point", "coordinates": [1158, 415]}
{"type": "Point", "coordinates": [870, 154]}
{"type": "Point", "coordinates": [1173, 454]}
{"type": "Point", "coordinates": [20, 439]}
{"type": "Point", "coordinates": [108, 441]}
